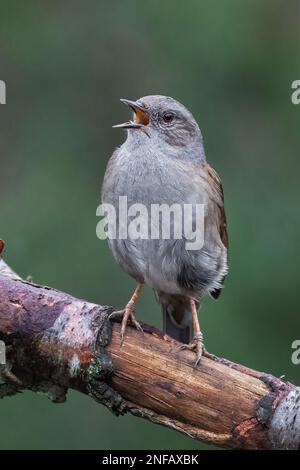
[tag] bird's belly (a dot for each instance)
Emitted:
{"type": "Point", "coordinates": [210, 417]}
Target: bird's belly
{"type": "Point", "coordinates": [166, 266]}
{"type": "Point", "coordinates": [144, 260]}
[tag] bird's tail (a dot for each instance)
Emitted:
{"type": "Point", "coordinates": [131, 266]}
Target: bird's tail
{"type": "Point", "coordinates": [177, 317]}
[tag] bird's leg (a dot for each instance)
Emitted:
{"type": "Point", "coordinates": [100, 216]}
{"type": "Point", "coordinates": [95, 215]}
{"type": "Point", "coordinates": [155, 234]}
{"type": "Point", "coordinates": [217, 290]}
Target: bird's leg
{"type": "Point", "coordinates": [128, 312]}
{"type": "Point", "coordinates": [197, 342]}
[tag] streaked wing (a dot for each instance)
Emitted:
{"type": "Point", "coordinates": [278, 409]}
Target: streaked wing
{"type": "Point", "coordinates": [216, 195]}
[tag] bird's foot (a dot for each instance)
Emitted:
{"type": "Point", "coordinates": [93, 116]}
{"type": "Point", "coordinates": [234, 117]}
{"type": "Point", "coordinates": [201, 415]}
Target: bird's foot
{"type": "Point", "coordinates": [195, 345]}
{"type": "Point", "coordinates": [126, 315]}
{"type": "Point", "coordinates": [209, 355]}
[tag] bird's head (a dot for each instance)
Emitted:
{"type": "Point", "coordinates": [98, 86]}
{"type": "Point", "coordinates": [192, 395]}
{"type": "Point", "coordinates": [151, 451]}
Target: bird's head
{"type": "Point", "coordinates": [163, 119]}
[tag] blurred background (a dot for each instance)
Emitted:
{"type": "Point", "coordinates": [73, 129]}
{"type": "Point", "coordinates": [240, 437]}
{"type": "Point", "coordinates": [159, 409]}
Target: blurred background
{"type": "Point", "coordinates": [66, 64]}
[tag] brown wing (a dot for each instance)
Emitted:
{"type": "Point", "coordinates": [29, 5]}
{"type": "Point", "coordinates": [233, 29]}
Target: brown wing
{"type": "Point", "coordinates": [1, 246]}
{"type": "Point", "coordinates": [215, 184]}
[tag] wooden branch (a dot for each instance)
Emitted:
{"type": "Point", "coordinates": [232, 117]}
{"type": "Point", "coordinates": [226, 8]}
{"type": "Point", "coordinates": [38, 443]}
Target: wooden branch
{"type": "Point", "coordinates": [55, 342]}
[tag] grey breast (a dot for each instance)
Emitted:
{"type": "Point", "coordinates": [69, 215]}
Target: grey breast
{"type": "Point", "coordinates": [165, 265]}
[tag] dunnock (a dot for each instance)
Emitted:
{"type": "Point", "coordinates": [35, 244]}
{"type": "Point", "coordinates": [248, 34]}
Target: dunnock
{"type": "Point", "coordinates": [163, 162]}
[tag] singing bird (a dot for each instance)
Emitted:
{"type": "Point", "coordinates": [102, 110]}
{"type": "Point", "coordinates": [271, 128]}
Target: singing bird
{"type": "Point", "coordinates": [163, 161]}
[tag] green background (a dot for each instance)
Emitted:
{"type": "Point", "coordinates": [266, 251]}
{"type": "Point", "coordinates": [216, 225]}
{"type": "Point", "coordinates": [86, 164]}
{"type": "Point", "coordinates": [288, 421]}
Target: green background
{"type": "Point", "coordinates": [66, 64]}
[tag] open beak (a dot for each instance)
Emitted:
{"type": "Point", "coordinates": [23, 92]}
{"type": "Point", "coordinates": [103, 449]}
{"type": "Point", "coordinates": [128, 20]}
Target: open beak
{"type": "Point", "coordinates": [141, 116]}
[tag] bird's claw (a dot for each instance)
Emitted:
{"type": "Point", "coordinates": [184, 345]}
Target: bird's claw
{"type": "Point", "coordinates": [127, 316]}
{"type": "Point", "coordinates": [195, 345]}
{"type": "Point", "coordinates": [117, 314]}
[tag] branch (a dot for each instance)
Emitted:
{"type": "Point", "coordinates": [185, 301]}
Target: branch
{"type": "Point", "coordinates": [55, 342]}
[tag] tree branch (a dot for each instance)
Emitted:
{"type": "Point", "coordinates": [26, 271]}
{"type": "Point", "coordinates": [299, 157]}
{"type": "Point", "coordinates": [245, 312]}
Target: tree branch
{"type": "Point", "coordinates": [55, 342]}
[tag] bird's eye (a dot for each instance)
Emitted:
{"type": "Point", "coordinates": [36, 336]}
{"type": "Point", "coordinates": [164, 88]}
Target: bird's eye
{"type": "Point", "coordinates": [168, 117]}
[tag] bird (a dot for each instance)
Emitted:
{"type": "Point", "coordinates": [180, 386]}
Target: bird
{"type": "Point", "coordinates": [163, 161]}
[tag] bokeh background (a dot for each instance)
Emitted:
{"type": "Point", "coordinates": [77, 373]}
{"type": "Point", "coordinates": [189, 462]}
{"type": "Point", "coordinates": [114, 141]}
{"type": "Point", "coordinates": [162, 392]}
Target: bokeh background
{"type": "Point", "coordinates": [66, 64]}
